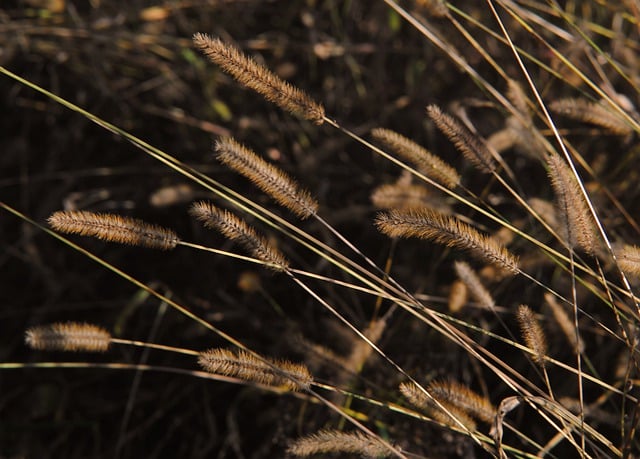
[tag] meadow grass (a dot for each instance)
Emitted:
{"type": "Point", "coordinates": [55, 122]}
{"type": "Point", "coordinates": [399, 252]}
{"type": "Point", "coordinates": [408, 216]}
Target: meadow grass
{"type": "Point", "coordinates": [445, 274]}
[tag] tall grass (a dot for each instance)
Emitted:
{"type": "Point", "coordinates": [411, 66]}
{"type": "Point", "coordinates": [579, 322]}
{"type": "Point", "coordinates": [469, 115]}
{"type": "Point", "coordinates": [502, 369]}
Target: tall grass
{"type": "Point", "coordinates": [476, 297]}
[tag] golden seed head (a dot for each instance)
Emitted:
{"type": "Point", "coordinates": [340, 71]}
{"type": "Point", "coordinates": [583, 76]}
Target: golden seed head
{"type": "Point", "coordinates": [266, 176]}
{"type": "Point", "coordinates": [239, 231]}
{"type": "Point", "coordinates": [244, 365]}
{"type": "Point", "coordinates": [114, 228]}
{"type": "Point", "coordinates": [69, 336]}
{"type": "Point", "coordinates": [255, 76]}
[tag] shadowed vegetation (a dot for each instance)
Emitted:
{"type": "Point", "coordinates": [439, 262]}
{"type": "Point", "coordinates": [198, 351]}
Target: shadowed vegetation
{"type": "Point", "coordinates": [425, 240]}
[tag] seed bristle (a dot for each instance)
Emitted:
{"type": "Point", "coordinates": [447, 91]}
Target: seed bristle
{"type": "Point", "coordinates": [239, 231]}
{"type": "Point", "coordinates": [469, 144]}
{"type": "Point", "coordinates": [266, 176]}
{"type": "Point", "coordinates": [244, 365]}
{"type": "Point", "coordinates": [254, 76]}
{"type": "Point", "coordinates": [336, 441]}
{"type": "Point", "coordinates": [68, 336]}
{"type": "Point", "coordinates": [114, 228]}
{"type": "Point", "coordinates": [532, 333]}
{"type": "Point", "coordinates": [426, 162]}
{"type": "Point", "coordinates": [443, 229]}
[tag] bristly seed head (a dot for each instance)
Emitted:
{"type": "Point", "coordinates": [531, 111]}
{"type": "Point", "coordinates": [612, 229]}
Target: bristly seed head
{"type": "Point", "coordinates": [474, 285]}
{"type": "Point", "coordinates": [532, 333]}
{"type": "Point", "coordinates": [443, 229]}
{"type": "Point", "coordinates": [114, 228]}
{"type": "Point", "coordinates": [254, 76]}
{"type": "Point", "coordinates": [472, 146]}
{"type": "Point", "coordinates": [237, 230]}
{"type": "Point", "coordinates": [463, 398]}
{"type": "Point", "coordinates": [69, 336]}
{"type": "Point", "coordinates": [443, 411]}
{"type": "Point", "coordinates": [598, 113]}
{"type": "Point", "coordinates": [266, 176]}
{"type": "Point", "coordinates": [336, 441]}
{"type": "Point", "coordinates": [572, 209]}
{"type": "Point", "coordinates": [428, 163]}
{"type": "Point", "coordinates": [628, 257]}
{"type": "Point", "coordinates": [244, 365]}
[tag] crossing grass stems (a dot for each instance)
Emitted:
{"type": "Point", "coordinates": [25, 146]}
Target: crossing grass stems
{"type": "Point", "coordinates": [494, 254]}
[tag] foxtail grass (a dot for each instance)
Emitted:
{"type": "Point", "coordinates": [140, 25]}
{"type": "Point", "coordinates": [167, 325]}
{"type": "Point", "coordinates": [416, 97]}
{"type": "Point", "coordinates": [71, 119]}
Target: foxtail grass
{"type": "Point", "coordinates": [68, 336]}
{"type": "Point", "coordinates": [255, 76]}
{"type": "Point", "coordinates": [265, 176]}
{"type": "Point", "coordinates": [431, 225]}
{"type": "Point", "coordinates": [399, 318]}
{"type": "Point", "coordinates": [114, 228]}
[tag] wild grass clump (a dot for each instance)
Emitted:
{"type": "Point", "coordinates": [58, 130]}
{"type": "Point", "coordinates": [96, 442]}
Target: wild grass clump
{"type": "Point", "coordinates": [436, 256]}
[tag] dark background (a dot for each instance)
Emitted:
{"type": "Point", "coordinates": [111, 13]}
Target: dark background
{"type": "Point", "coordinates": [135, 67]}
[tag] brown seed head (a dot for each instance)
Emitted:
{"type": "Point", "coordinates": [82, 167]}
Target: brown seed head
{"type": "Point", "coordinates": [336, 441]}
{"type": "Point", "coordinates": [428, 163]}
{"type": "Point", "coordinates": [464, 399]}
{"type": "Point", "coordinates": [254, 76]}
{"type": "Point", "coordinates": [572, 209]}
{"type": "Point", "coordinates": [244, 365]}
{"type": "Point", "coordinates": [469, 144]}
{"type": "Point", "coordinates": [443, 229]}
{"type": "Point", "coordinates": [266, 176]}
{"type": "Point", "coordinates": [532, 333]}
{"type": "Point", "coordinates": [114, 228]}
{"type": "Point", "coordinates": [237, 230]}
{"type": "Point", "coordinates": [474, 285]}
{"type": "Point", "coordinates": [69, 336]}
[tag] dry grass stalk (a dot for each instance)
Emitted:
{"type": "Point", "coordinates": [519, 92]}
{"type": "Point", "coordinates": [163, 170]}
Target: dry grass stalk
{"type": "Point", "coordinates": [114, 228]}
{"type": "Point", "coordinates": [469, 144]}
{"type": "Point", "coordinates": [426, 162]}
{"type": "Point", "coordinates": [254, 76]}
{"type": "Point", "coordinates": [577, 221]}
{"type": "Point", "coordinates": [266, 176]}
{"type": "Point", "coordinates": [532, 333]}
{"type": "Point", "coordinates": [461, 397]}
{"type": "Point", "coordinates": [432, 225]}
{"type": "Point", "coordinates": [592, 113]}
{"type": "Point", "coordinates": [506, 406]}
{"type": "Point", "coordinates": [69, 336]}
{"type": "Point", "coordinates": [474, 285]}
{"type": "Point", "coordinates": [628, 257]}
{"type": "Point", "coordinates": [564, 322]}
{"type": "Point", "coordinates": [335, 441]}
{"type": "Point", "coordinates": [237, 230]}
{"type": "Point", "coordinates": [245, 366]}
